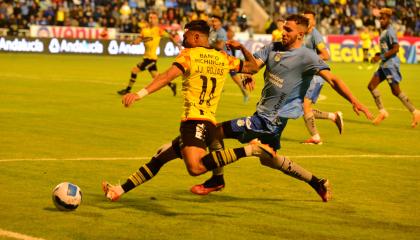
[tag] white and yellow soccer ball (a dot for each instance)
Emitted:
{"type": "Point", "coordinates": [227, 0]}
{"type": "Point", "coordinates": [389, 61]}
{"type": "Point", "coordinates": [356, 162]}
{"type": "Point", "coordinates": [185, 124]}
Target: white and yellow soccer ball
{"type": "Point", "coordinates": [67, 196]}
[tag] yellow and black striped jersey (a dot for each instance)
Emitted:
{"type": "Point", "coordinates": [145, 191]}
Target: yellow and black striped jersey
{"type": "Point", "coordinates": [205, 71]}
{"type": "Point", "coordinates": [151, 39]}
{"type": "Point", "coordinates": [366, 40]}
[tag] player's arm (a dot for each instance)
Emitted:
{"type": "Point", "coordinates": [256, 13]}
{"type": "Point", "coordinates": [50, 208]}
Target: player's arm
{"type": "Point", "coordinates": [341, 88]}
{"type": "Point", "coordinates": [137, 40]}
{"type": "Point", "coordinates": [158, 82]}
{"type": "Point", "coordinates": [251, 65]}
{"type": "Point", "coordinates": [394, 50]}
{"type": "Point", "coordinates": [166, 33]}
{"type": "Point", "coordinates": [322, 52]}
{"type": "Point", "coordinates": [219, 44]}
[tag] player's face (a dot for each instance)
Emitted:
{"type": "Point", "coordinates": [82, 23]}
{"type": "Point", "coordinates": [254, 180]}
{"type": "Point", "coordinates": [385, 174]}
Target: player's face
{"type": "Point", "coordinates": [280, 24]}
{"type": "Point", "coordinates": [291, 33]}
{"type": "Point", "coordinates": [384, 20]}
{"type": "Point", "coordinates": [215, 23]}
{"type": "Point", "coordinates": [153, 19]}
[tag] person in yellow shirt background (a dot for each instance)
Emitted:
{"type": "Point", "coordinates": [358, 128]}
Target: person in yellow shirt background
{"type": "Point", "coordinates": [366, 40]}
{"type": "Point", "coordinates": [150, 35]}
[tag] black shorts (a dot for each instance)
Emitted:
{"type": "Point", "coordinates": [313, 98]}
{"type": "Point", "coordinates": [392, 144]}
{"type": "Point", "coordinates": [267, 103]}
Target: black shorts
{"type": "Point", "coordinates": [147, 64]}
{"type": "Point", "coordinates": [197, 133]}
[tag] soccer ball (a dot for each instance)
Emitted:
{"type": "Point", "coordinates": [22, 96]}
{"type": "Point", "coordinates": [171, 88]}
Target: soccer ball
{"type": "Point", "coordinates": [66, 196]}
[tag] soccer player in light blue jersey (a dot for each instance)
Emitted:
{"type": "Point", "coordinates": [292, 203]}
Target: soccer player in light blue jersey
{"type": "Point", "coordinates": [389, 70]}
{"type": "Point", "coordinates": [217, 39]}
{"type": "Point", "coordinates": [289, 70]}
{"type": "Point", "coordinates": [314, 41]}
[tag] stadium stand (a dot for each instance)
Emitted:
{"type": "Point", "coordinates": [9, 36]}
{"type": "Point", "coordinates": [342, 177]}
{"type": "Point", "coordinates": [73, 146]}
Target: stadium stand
{"type": "Point", "coordinates": [334, 16]}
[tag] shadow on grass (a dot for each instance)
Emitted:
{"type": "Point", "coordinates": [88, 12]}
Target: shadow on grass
{"type": "Point", "coordinates": [160, 205]}
{"type": "Point", "coordinates": [186, 196]}
{"type": "Point", "coordinates": [144, 204]}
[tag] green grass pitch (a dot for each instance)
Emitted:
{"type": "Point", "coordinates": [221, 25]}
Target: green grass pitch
{"type": "Point", "coordinates": [61, 120]}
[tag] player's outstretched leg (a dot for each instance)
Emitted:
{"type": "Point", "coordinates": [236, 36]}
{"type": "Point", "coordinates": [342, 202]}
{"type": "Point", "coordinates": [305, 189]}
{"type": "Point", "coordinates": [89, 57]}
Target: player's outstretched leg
{"type": "Point", "coordinates": [323, 188]}
{"type": "Point", "coordinates": [315, 138]}
{"type": "Point", "coordinates": [112, 192]}
{"type": "Point", "coordinates": [146, 172]}
{"type": "Point", "coordinates": [217, 159]}
{"type": "Point", "coordinates": [416, 118]}
{"type": "Point", "coordinates": [408, 104]}
{"type": "Point", "coordinates": [339, 122]}
{"type": "Point", "coordinates": [131, 82]}
{"type": "Point", "coordinates": [336, 117]}
{"type": "Point", "coordinates": [383, 114]}
{"type": "Point", "coordinates": [290, 168]}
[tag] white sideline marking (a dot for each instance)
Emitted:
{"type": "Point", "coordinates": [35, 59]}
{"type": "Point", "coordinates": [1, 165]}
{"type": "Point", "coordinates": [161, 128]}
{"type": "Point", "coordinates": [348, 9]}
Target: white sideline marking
{"type": "Point", "coordinates": [146, 158]}
{"type": "Point", "coordinates": [74, 159]}
{"type": "Point", "coordinates": [16, 235]}
{"type": "Point", "coordinates": [357, 155]}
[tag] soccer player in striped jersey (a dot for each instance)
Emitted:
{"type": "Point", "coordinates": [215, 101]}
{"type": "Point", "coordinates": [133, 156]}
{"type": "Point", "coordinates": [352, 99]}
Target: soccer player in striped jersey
{"type": "Point", "coordinates": [389, 70]}
{"type": "Point", "coordinates": [204, 71]}
{"type": "Point", "coordinates": [366, 39]}
{"type": "Point", "coordinates": [150, 36]}
{"type": "Point", "coordinates": [315, 42]}
{"type": "Point", "coordinates": [290, 68]}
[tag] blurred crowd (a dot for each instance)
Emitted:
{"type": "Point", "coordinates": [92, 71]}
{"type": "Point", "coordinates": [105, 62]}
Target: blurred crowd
{"type": "Point", "coordinates": [348, 16]}
{"type": "Point", "coordinates": [128, 15]}
{"type": "Point", "coordinates": [334, 16]}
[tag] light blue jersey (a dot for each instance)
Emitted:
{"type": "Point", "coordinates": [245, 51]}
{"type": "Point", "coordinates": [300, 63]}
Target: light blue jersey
{"type": "Point", "coordinates": [387, 39]}
{"type": "Point", "coordinates": [286, 78]}
{"type": "Point", "coordinates": [389, 68]}
{"type": "Point", "coordinates": [313, 41]}
{"type": "Point", "coordinates": [218, 35]}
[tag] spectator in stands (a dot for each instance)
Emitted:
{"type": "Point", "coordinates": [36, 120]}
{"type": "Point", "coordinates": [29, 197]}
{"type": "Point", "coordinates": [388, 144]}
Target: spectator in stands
{"type": "Point", "coordinates": [3, 22]}
{"type": "Point", "coordinates": [344, 14]}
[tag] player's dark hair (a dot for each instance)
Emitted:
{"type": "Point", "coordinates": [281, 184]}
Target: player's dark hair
{"type": "Point", "coordinates": [218, 17]}
{"type": "Point", "coordinates": [299, 19]}
{"type": "Point", "coordinates": [309, 11]}
{"type": "Point", "coordinates": [150, 13]}
{"type": "Point", "coordinates": [199, 26]}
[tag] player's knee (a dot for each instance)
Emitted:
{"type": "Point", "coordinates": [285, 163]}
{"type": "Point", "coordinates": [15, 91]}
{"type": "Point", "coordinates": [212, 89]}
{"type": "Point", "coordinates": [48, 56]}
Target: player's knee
{"type": "Point", "coordinates": [135, 70]}
{"type": "Point", "coordinates": [370, 87]}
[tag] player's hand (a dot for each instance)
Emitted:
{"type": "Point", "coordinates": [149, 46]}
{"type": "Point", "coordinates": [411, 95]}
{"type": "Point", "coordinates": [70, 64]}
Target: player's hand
{"type": "Point", "coordinates": [376, 58]}
{"type": "Point", "coordinates": [232, 44]}
{"type": "Point", "coordinates": [248, 82]}
{"type": "Point", "coordinates": [358, 107]}
{"type": "Point", "coordinates": [129, 98]}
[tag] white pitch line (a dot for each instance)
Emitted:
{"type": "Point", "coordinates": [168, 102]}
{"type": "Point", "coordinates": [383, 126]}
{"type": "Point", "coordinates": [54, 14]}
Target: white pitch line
{"type": "Point", "coordinates": [74, 159]}
{"type": "Point", "coordinates": [146, 158]}
{"type": "Point", "coordinates": [356, 155]}
{"type": "Point", "coordinates": [16, 235]}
